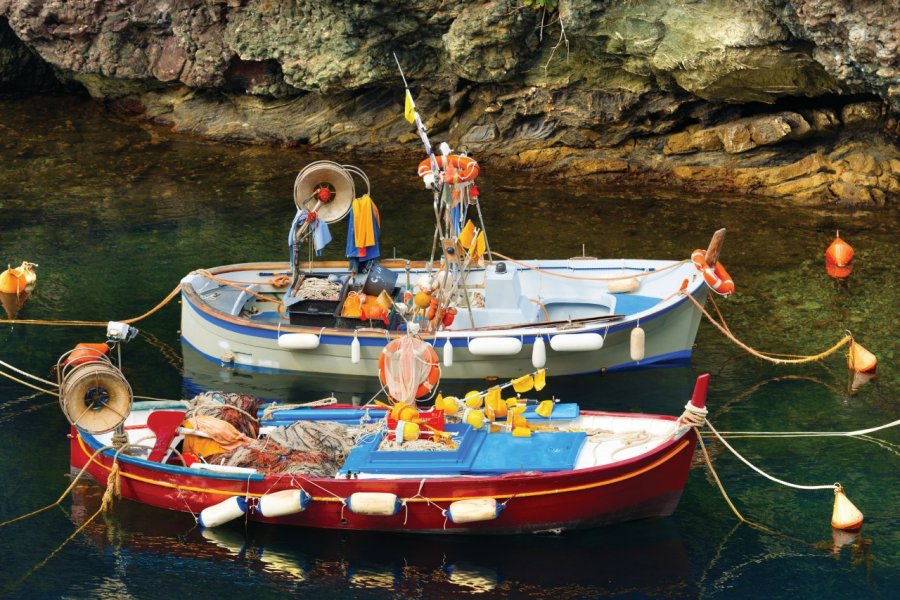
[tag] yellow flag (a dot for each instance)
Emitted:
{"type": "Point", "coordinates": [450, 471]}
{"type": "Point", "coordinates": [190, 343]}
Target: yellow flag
{"type": "Point", "coordinates": [523, 384]}
{"type": "Point", "coordinates": [409, 112]}
{"type": "Point", "coordinates": [540, 380]}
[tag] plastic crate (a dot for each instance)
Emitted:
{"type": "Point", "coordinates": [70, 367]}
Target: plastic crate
{"type": "Point", "coordinates": [317, 313]}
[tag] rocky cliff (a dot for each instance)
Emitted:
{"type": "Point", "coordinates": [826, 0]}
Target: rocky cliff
{"type": "Point", "coordinates": [788, 99]}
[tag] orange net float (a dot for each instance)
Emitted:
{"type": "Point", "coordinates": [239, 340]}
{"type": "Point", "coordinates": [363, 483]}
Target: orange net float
{"type": "Point", "coordinates": [839, 253]}
{"type": "Point", "coordinates": [85, 352]}
{"type": "Point", "coordinates": [430, 358]}
{"type": "Point", "coordinates": [717, 278]}
{"type": "Point", "coordinates": [459, 168]}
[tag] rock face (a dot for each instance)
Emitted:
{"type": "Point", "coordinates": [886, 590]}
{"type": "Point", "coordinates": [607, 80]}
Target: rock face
{"type": "Point", "coordinates": [794, 99]}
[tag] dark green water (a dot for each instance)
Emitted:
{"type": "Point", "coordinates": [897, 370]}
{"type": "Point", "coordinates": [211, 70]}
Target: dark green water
{"type": "Point", "coordinates": [115, 213]}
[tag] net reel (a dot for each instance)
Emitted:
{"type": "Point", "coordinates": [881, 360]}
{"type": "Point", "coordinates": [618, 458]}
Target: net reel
{"type": "Point", "coordinates": [325, 188]}
{"type": "Point", "coordinates": [94, 395]}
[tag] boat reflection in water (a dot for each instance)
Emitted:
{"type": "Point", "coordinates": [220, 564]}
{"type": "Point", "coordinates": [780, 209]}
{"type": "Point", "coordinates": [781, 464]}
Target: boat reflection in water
{"type": "Point", "coordinates": [644, 557]}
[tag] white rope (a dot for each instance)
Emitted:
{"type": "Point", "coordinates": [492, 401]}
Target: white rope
{"type": "Point", "coordinates": [763, 473]}
{"type": "Point", "coordinates": [858, 432]}
{"type": "Point", "coordinates": [29, 375]}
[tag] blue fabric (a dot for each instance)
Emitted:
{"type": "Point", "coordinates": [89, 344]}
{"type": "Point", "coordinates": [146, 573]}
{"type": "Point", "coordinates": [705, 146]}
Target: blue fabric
{"type": "Point", "coordinates": [373, 251]}
{"type": "Point", "coordinates": [455, 216]}
{"type": "Point", "coordinates": [321, 236]}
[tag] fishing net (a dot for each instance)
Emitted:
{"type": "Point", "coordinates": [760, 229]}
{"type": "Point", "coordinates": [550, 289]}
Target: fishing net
{"type": "Point", "coordinates": [409, 369]}
{"type": "Point", "coordinates": [238, 410]}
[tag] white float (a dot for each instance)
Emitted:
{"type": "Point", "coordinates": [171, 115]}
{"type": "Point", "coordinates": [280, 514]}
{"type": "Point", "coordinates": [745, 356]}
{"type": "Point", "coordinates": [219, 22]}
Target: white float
{"type": "Point", "coordinates": [226, 510]}
{"type": "Point", "coordinates": [285, 502]}
{"type": "Point", "coordinates": [637, 343]}
{"type": "Point", "coordinates": [539, 353]}
{"type": "Point", "coordinates": [354, 350]}
{"type": "Point", "coordinates": [623, 286]}
{"type": "Point", "coordinates": [576, 342]}
{"type": "Point", "coordinates": [495, 346]}
{"type": "Point", "coordinates": [473, 510]}
{"type": "Point", "coordinates": [298, 341]}
{"type": "Point", "coordinates": [379, 504]}
{"type": "Point", "coordinates": [448, 353]}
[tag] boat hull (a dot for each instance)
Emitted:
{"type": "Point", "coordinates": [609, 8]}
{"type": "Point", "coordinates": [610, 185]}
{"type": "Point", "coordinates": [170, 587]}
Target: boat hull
{"type": "Point", "coordinates": [649, 485]}
{"type": "Point", "coordinates": [239, 342]}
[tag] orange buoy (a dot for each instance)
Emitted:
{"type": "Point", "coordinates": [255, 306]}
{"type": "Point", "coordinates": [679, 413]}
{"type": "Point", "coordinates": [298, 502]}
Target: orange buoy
{"type": "Point", "coordinates": [86, 352]}
{"type": "Point", "coordinates": [861, 360]}
{"type": "Point", "coordinates": [839, 253]}
{"type": "Point", "coordinates": [836, 272]}
{"type": "Point", "coordinates": [845, 515]}
{"type": "Point", "coordinates": [12, 303]}
{"type": "Point", "coordinates": [18, 280]}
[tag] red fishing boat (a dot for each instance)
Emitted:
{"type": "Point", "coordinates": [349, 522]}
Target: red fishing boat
{"type": "Point", "coordinates": [463, 467]}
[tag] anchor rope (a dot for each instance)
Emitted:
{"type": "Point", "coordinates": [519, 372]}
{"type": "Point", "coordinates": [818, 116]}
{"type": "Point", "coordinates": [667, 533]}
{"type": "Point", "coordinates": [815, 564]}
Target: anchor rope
{"type": "Point", "coordinates": [585, 277]}
{"type": "Point", "coordinates": [773, 358]}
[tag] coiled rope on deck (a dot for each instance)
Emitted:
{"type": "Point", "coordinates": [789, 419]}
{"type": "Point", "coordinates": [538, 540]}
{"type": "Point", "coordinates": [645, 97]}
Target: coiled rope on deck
{"type": "Point", "coordinates": [778, 359]}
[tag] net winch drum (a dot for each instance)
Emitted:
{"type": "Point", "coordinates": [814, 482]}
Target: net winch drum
{"type": "Point", "coordinates": [324, 174]}
{"type": "Point", "coordinates": [94, 396]}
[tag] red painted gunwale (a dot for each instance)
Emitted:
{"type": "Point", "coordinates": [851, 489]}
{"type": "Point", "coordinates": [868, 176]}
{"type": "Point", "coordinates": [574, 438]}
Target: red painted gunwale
{"type": "Point", "coordinates": [648, 485]}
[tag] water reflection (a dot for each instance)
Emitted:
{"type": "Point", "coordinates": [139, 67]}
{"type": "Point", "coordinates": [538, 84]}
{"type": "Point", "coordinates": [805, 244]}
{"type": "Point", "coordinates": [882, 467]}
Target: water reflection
{"type": "Point", "coordinates": [646, 557]}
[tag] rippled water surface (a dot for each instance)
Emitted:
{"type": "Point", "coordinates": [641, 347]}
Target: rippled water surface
{"type": "Point", "coordinates": [116, 212]}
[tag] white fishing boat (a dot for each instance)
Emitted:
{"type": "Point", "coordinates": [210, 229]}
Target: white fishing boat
{"type": "Point", "coordinates": [484, 315]}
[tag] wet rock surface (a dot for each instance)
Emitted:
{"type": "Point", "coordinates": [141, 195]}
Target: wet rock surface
{"type": "Point", "coordinates": [789, 99]}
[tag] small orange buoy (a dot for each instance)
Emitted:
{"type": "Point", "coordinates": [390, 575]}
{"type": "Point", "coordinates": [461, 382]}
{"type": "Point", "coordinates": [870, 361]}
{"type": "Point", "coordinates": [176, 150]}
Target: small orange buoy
{"type": "Point", "coordinates": [12, 303]}
{"type": "Point", "coordinates": [839, 253]}
{"type": "Point", "coordinates": [836, 272]}
{"type": "Point", "coordinates": [861, 360]}
{"type": "Point", "coordinates": [18, 280]}
{"type": "Point", "coordinates": [845, 515]}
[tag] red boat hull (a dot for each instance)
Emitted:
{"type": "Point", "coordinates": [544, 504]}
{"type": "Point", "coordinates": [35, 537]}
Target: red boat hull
{"type": "Point", "coordinates": [645, 486]}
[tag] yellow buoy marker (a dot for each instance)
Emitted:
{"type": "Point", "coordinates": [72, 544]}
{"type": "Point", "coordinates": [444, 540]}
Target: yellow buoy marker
{"type": "Point", "coordinates": [474, 399]}
{"type": "Point", "coordinates": [406, 431]}
{"type": "Point", "coordinates": [845, 515]}
{"type": "Point", "coordinates": [861, 360]}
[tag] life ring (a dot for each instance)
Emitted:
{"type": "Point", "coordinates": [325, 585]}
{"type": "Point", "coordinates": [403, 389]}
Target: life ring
{"type": "Point", "coordinates": [716, 278]}
{"type": "Point", "coordinates": [466, 167]}
{"type": "Point", "coordinates": [431, 358]}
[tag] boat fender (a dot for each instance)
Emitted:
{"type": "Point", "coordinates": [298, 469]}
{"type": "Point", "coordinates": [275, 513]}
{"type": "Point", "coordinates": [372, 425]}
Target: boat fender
{"type": "Point", "coordinates": [576, 342]}
{"type": "Point", "coordinates": [298, 341]}
{"type": "Point", "coordinates": [473, 510]}
{"type": "Point", "coordinates": [283, 503]}
{"type": "Point", "coordinates": [448, 353]}
{"type": "Point", "coordinates": [495, 346]}
{"type": "Point", "coordinates": [223, 512]}
{"type": "Point", "coordinates": [624, 286]}
{"type": "Point", "coordinates": [539, 353]}
{"type": "Point", "coordinates": [354, 350]}
{"type": "Point", "coordinates": [378, 504]}
{"type": "Point", "coordinates": [637, 343]}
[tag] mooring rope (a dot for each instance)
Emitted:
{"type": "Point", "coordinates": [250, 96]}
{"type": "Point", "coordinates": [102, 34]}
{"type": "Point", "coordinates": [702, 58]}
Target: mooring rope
{"type": "Point", "coordinates": [156, 308]}
{"type": "Point", "coordinates": [586, 278]}
{"type": "Point", "coordinates": [772, 358]}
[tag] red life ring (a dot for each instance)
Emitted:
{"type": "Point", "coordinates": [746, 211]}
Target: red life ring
{"type": "Point", "coordinates": [466, 167]}
{"type": "Point", "coordinates": [716, 278]}
{"type": "Point", "coordinates": [431, 358]}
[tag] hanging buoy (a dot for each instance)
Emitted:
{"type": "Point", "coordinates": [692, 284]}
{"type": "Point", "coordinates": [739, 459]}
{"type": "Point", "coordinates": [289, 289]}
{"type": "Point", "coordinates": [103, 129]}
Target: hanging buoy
{"type": "Point", "coordinates": [845, 515]}
{"type": "Point", "coordinates": [298, 341]}
{"type": "Point", "coordinates": [354, 350]}
{"type": "Point", "coordinates": [637, 343]}
{"type": "Point", "coordinates": [473, 510]}
{"type": "Point", "coordinates": [576, 342]}
{"type": "Point", "coordinates": [226, 510]}
{"type": "Point", "coordinates": [448, 353]}
{"type": "Point", "coordinates": [379, 504]}
{"type": "Point", "coordinates": [539, 353]}
{"type": "Point", "coordinates": [861, 360]}
{"type": "Point", "coordinates": [283, 503]}
{"type": "Point", "coordinates": [495, 346]}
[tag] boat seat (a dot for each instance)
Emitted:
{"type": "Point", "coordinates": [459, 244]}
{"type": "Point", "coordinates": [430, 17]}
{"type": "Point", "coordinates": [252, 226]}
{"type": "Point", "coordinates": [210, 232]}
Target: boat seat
{"type": "Point", "coordinates": [629, 304]}
{"type": "Point", "coordinates": [163, 424]}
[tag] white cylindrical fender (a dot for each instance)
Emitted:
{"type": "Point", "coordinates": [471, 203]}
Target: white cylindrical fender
{"type": "Point", "coordinates": [623, 286]}
{"type": "Point", "coordinates": [382, 504]}
{"type": "Point", "coordinates": [495, 346]}
{"type": "Point", "coordinates": [576, 342]}
{"type": "Point", "coordinates": [298, 341]}
{"type": "Point", "coordinates": [473, 510]}
{"type": "Point", "coordinates": [448, 353]}
{"type": "Point", "coordinates": [539, 353]}
{"type": "Point", "coordinates": [285, 502]}
{"type": "Point", "coordinates": [637, 343]}
{"type": "Point", "coordinates": [354, 350]}
{"type": "Point", "coordinates": [226, 510]}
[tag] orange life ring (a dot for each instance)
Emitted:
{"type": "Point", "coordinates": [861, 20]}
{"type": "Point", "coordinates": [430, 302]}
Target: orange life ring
{"type": "Point", "coordinates": [431, 358]}
{"type": "Point", "coordinates": [466, 167]}
{"type": "Point", "coordinates": [716, 278]}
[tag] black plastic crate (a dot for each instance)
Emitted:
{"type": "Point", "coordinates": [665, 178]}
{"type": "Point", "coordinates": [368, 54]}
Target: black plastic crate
{"type": "Point", "coordinates": [318, 313]}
